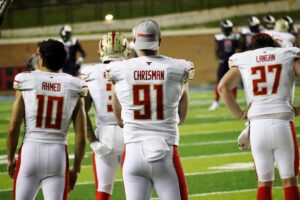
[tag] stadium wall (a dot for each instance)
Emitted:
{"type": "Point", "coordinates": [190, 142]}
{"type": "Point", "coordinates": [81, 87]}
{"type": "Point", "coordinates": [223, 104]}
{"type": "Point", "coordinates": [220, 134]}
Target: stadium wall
{"type": "Point", "coordinates": [198, 48]}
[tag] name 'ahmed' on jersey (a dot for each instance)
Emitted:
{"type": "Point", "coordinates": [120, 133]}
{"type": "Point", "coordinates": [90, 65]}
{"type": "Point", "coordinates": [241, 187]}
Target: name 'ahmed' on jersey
{"type": "Point", "coordinates": [55, 87]}
{"type": "Point", "coordinates": [149, 75]}
{"type": "Point", "coordinates": [266, 57]}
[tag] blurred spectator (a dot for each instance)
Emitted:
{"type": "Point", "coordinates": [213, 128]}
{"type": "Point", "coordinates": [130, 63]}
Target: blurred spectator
{"type": "Point", "coordinates": [73, 46]}
{"type": "Point", "coordinates": [226, 44]}
{"type": "Point", "coordinates": [248, 32]}
{"type": "Point", "coordinates": [33, 62]}
{"type": "Point", "coordinates": [268, 22]}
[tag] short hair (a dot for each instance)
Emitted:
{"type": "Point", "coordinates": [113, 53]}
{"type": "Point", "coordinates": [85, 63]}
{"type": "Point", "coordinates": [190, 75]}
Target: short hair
{"type": "Point", "coordinates": [261, 40]}
{"type": "Point", "coordinates": [53, 54]}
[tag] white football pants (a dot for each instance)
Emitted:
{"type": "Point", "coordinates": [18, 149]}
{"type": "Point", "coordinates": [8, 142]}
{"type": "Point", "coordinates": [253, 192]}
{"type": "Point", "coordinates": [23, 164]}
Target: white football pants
{"type": "Point", "coordinates": [42, 164]}
{"type": "Point", "coordinates": [274, 140]}
{"type": "Point", "coordinates": [165, 174]}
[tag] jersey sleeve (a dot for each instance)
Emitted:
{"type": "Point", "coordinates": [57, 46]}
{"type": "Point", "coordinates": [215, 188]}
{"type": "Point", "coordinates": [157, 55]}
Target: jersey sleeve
{"type": "Point", "coordinates": [84, 88]}
{"type": "Point", "coordinates": [189, 71]}
{"type": "Point", "coordinates": [23, 81]}
{"type": "Point", "coordinates": [88, 73]}
{"type": "Point", "coordinates": [114, 70]}
{"type": "Point", "coordinates": [233, 61]}
{"type": "Point", "coordinates": [296, 52]}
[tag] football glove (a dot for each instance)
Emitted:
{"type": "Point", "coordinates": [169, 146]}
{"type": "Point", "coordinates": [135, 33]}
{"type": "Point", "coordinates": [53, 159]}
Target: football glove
{"type": "Point", "coordinates": [244, 139]}
{"type": "Point", "coordinates": [100, 149]}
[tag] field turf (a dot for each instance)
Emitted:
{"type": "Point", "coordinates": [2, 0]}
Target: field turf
{"type": "Point", "coordinates": [214, 167]}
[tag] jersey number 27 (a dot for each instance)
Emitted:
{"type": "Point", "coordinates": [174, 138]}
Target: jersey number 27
{"type": "Point", "coordinates": [262, 71]}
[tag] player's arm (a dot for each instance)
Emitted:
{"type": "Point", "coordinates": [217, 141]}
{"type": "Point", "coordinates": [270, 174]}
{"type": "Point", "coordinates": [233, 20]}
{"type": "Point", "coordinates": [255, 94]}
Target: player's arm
{"type": "Point", "coordinates": [79, 122]}
{"type": "Point", "coordinates": [90, 131]}
{"type": "Point", "coordinates": [14, 131]}
{"type": "Point", "coordinates": [229, 81]}
{"type": "Point", "coordinates": [117, 107]}
{"type": "Point", "coordinates": [81, 50]}
{"type": "Point", "coordinates": [183, 104]}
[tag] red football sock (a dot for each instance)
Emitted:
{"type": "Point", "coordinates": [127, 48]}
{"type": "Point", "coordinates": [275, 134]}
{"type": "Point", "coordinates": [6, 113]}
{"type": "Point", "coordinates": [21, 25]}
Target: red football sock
{"type": "Point", "coordinates": [264, 193]}
{"type": "Point", "coordinates": [102, 196]}
{"type": "Point", "coordinates": [217, 96]}
{"type": "Point", "coordinates": [291, 193]}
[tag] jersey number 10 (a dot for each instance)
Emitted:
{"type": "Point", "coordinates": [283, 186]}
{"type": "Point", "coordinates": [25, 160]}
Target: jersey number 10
{"type": "Point", "coordinates": [50, 121]}
{"type": "Point", "coordinates": [142, 97]}
{"type": "Point", "coordinates": [263, 79]}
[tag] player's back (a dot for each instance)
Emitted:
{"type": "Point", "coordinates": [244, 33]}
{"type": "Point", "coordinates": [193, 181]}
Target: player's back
{"type": "Point", "coordinates": [50, 99]}
{"type": "Point", "coordinates": [283, 38]}
{"type": "Point", "coordinates": [269, 78]}
{"type": "Point", "coordinates": [149, 89]}
{"type": "Point", "coordinates": [100, 91]}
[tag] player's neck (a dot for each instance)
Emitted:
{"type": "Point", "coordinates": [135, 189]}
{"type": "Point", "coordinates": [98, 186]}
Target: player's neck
{"type": "Point", "coordinates": [45, 69]}
{"type": "Point", "coordinates": [147, 53]}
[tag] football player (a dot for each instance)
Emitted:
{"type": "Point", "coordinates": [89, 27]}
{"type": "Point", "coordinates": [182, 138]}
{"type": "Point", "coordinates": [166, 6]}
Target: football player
{"type": "Point", "coordinates": [46, 99]}
{"type": "Point", "coordinates": [268, 74]}
{"type": "Point", "coordinates": [226, 44]}
{"type": "Point", "coordinates": [150, 99]}
{"type": "Point", "coordinates": [248, 32]}
{"type": "Point", "coordinates": [107, 140]}
{"type": "Point", "coordinates": [292, 29]}
{"type": "Point", "coordinates": [73, 63]}
{"type": "Point", "coordinates": [268, 22]}
{"type": "Point", "coordinates": [281, 34]}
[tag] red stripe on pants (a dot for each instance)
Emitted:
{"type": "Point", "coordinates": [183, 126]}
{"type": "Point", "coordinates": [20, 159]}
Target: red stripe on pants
{"type": "Point", "coordinates": [180, 174]}
{"type": "Point", "coordinates": [296, 162]}
{"type": "Point", "coordinates": [123, 156]}
{"type": "Point", "coordinates": [95, 171]}
{"type": "Point", "coordinates": [99, 195]}
{"type": "Point", "coordinates": [17, 171]}
{"type": "Point", "coordinates": [67, 176]}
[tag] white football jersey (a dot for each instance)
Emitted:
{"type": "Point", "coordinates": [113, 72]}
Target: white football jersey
{"type": "Point", "coordinates": [50, 99]}
{"type": "Point", "coordinates": [283, 38]}
{"type": "Point", "coordinates": [269, 79]}
{"type": "Point", "coordinates": [149, 89]}
{"type": "Point", "coordinates": [100, 91]}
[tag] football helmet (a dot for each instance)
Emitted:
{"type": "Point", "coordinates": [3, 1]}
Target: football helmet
{"type": "Point", "coordinates": [268, 22]}
{"type": "Point", "coordinates": [113, 46]}
{"type": "Point", "coordinates": [253, 24]}
{"type": "Point", "coordinates": [281, 25]}
{"type": "Point", "coordinates": [65, 33]}
{"type": "Point", "coordinates": [226, 26]}
{"type": "Point", "coordinates": [288, 19]}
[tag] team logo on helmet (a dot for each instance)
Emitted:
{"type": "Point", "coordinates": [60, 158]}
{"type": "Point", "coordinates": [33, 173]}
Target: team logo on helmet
{"type": "Point", "coordinates": [113, 46]}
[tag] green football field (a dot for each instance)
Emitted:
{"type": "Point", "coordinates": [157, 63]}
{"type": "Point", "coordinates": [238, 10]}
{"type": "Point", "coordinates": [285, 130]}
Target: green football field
{"type": "Point", "coordinates": [214, 167]}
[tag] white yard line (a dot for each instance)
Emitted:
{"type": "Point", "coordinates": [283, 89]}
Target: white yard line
{"type": "Point", "coordinates": [120, 180]}
{"type": "Point", "coordinates": [223, 192]}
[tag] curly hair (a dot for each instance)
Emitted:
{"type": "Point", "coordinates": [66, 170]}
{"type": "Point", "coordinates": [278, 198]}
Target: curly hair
{"type": "Point", "coordinates": [53, 54]}
{"type": "Point", "coordinates": [261, 40]}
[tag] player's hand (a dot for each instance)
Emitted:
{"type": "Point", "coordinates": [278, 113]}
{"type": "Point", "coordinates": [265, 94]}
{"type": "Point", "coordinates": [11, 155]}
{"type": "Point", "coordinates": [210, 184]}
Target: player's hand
{"type": "Point", "coordinates": [243, 115]}
{"type": "Point", "coordinates": [72, 179]}
{"type": "Point", "coordinates": [297, 111]}
{"type": "Point", "coordinates": [11, 168]}
{"type": "Point", "coordinates": [79, 60]}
